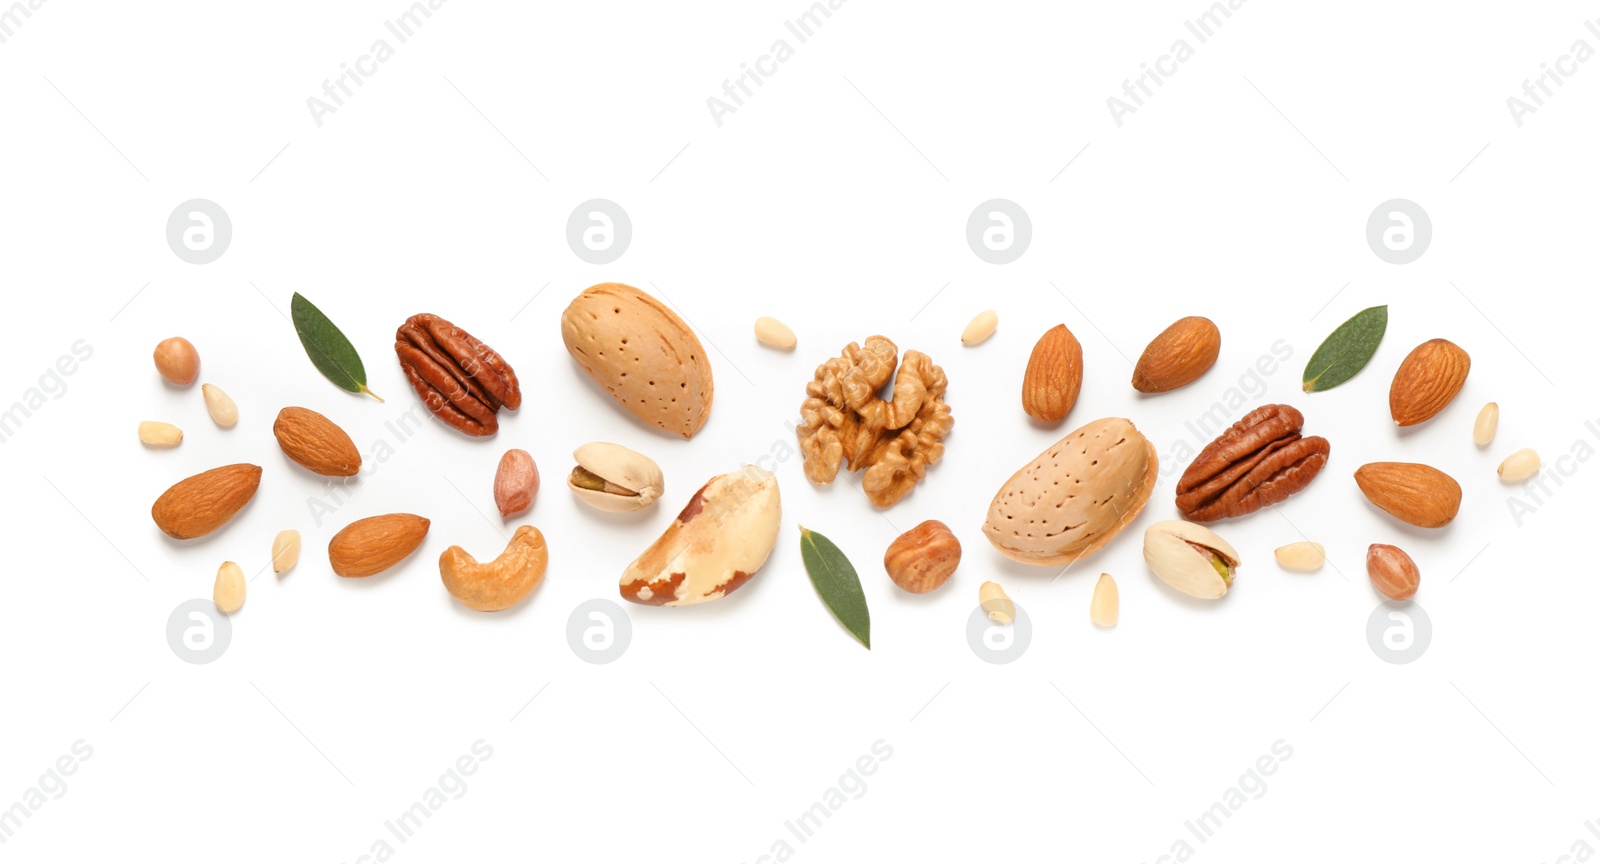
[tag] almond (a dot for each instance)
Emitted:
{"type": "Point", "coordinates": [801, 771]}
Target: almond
{"type": "Point", "coordinates": [316, 442]}
{"type": "Point", "coordinates": [369, 546]}
{"type": "Point", "coordinates": [1392, 571]}
{"type": "Point", "coordinates": [1055, 375]}
{"type": "Point", "coordinates": [642, 354]}
{"type": "Point", "coordinates": [1415, 494]}
{"type": "Point", "coordinates": [198, 505]}
{"type": "Point", "coordinates": [1179, 356]}
{"type": "Point", "coordinates": [1427, 380]}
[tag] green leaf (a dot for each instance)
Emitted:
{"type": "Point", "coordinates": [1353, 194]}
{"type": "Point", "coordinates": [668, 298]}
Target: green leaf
{"type": "Point", "coordinates": [1346, 351]}
{"type": "Point", "coordinates": [329, 350]}
{"type": "Point", "coordinates": [836, 583]}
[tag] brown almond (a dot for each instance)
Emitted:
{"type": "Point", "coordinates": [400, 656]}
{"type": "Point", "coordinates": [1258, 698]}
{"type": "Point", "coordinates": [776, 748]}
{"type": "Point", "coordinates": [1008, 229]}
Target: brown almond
{"type": "Point", "coordinates": [1179, 356]}
{"type": "Point", "coordinates": [1055, 375]}
{"type": "Point", "coordinates": [198, 505]}
{"type": "Point", "coordinates": [1416, 494]}
{"type": "Point", "coordinates": [1427, 380]}
{"type": "Point", "coordinates": [1392, 571]}
{"type": "Point", "coordinates": [370, 546]}
{"type": "Point", "coordinates": [316, 443]}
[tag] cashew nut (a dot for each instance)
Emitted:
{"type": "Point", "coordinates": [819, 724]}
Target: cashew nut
{"type": "Point", "coordinates": [501, 583]}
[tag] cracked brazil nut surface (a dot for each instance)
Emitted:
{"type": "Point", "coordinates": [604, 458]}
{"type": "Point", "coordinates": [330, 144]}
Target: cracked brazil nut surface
{"type": "Point", "coordinates": [716, 544]}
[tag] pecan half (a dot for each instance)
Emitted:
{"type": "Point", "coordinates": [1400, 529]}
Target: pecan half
{"type": "Point", "coordinates": [462, 381]}
{"type": "Point", "coordinates": [1260, 460]}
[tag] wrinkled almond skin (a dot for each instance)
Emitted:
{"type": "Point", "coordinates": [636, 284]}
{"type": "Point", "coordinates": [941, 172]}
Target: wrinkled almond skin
{"type": "Point", "coordinates": [642, 354]}
{"type": "Point", "coordinates": [1427, 381]}
{"type": "Point", "coordinates": [516, 483]}
{"type": "Point", "coordinates": [1416, 494]}
{"type": "Point", "coordinates": [1260, 460]}
{"type": "Point", "coordinates": [716, 544]}
{"type": "Point", "coordinates": [177, 361]}
{"type": "Point", "coordinates": [1178, 356]}
{"type": "Point", "coordinates": [199, 505]}
{"type": "Point", "coordinates": [316, 443]}
{"type": "Point", "coordinates": [1075, 496]}
{"type": "Point", "coordinates": [370, 546]}
{"type": "Point", "coordinates": [1054, 376]}
{"type": "Point", "coordinates": [1392, 572]}
{"type": "Point", "coordinates": [499, 584]}
{"type": "Point", "coordinates": [923, 558]}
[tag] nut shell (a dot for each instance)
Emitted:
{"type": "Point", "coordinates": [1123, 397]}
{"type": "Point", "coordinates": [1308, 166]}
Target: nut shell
{"type": "Point", "coordinates": [1392, 571]}
{"type": "Point", "coordinates": [641, 353]}
{"type": "Point", "coordinates": [1179, 553]}
{"type": "Point", "coordinates": [715, 545]}
{"type": "Point", "coordinates": [923, 558]}
{"type": "Point", "coordinates": [198, 505]}
{"type": "Point", "coordinates": [1054, 376]}
{"type": "Point", "coordinates": [370, 546]}
{"type": "Point", "coordinates": [633, 480]}
{"type": "Point", "coordinates": [1076, 496]}
{"type": "Point", "coordinates": [1427, 381]}
{"type": "Point", "coordinates": [501, 583]}
{"type": "Point", "coordinates": [1178, 356]}
{"type": "Point", "coordinates": [1416, 494]}
{"type": "Point", "coordinates": [316, 443]}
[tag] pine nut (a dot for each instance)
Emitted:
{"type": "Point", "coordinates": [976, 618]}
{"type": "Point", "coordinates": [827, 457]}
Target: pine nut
{"type": "Point", "coordinates": [220, 406]}
{"type": "Point", "coordinates": [994, 601]}
{"type": "Point", "coordinates": [980, 328]}
{"type": "Point", "coordinates": [1104, 607]}
{"type": "Point", "coordinates": [1304, 556]}
{"type": "Point", "coordinates": [228, 593]}
{"type": "Point", "coordinates": [774, 334]}
{"type": "Point", "coordinates": [1519, 466]}
{"type": "Point", "coordinates": [1484, 427]}
{"type": "Point", "coordinates": [162, 435]}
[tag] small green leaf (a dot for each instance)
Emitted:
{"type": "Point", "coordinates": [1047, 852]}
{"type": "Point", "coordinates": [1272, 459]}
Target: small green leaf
{"type": "Point", "coordinates": [329, 350]}
{"type": "Point", "coordinates": [1346, 351]}
{"type": "Point", "coordinates": [836, 583]}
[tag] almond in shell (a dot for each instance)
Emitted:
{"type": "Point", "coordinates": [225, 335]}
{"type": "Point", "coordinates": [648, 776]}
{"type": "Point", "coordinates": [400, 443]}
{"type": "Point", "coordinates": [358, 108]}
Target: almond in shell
{"type": "Point", "coordinates": [1416, 494]}
{"type": "Point", "coordinates": [1178, 356]}
{"type": "Point", "coordinates": [370, 546]}
{"type": "Point", "coordinates": [1427, 381]}
{"type": "Point", "coordinates": [316, 443]}
{"type": "Point", "coordinates": [641, 353]}
{"type": "Point", "coordinates": [199, 505]}
{"type": "Point", "coordinates": [1075, 496]}
{"type": "Point", "coordinates": [1054, 376]}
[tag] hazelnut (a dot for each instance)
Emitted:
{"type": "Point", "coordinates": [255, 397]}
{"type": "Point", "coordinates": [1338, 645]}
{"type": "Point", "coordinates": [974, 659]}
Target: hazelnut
{"type": "Point", "coordinates": [923, 558]}
{"type": "Point", "coordinates": [177, 361]}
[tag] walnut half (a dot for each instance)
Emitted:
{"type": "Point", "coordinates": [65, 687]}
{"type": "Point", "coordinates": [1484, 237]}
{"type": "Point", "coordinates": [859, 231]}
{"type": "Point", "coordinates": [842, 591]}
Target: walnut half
{"type": "Point", "coordinates": [894, 440]}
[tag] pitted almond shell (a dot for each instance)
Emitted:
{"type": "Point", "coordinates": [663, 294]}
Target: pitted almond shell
{"type": "Point", "coordinates": [715, 545]}
{"type": "Point", "coordinates": [642, 354]}
{"type": "Point", "coordinates": [1075, 496]}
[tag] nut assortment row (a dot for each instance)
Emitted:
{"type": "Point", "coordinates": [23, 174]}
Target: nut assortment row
{"type": "Point", "coordinates": [868, 409]}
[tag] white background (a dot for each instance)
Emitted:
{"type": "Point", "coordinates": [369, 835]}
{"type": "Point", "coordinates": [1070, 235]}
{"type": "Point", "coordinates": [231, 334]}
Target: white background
{"type": "Point", "coordinates": [835, 199]}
